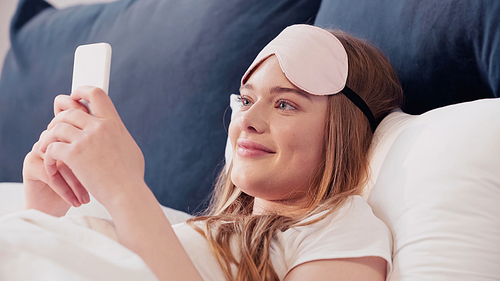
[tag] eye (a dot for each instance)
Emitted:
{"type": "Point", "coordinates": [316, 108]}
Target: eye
{"type": "Point", "coordinates": [244, 102]}
{"type": "Point", "coordinates": [285, 105]}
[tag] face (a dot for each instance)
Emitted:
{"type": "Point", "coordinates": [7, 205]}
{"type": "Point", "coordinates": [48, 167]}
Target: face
{"type": "Point", "coordinates": [277, 139]}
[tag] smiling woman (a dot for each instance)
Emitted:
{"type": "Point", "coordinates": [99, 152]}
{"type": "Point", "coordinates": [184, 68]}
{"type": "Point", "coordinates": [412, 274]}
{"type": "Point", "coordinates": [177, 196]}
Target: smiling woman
{"type": "Point", "coordinates": [301, 138]}
{"type": "Point", "coordinates": [288, 207]}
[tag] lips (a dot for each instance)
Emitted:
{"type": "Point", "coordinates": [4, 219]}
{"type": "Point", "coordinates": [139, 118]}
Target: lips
{"type": "Point", "coordinates": [248, 148]}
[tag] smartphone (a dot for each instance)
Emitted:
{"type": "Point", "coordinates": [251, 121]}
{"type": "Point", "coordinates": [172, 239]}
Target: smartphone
{"type": "Point", "coordinates": [91, 67]}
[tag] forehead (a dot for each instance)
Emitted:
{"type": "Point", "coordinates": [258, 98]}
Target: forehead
{"type": "Point", "coordinates": [268, 71]}
{"type": "Point", "coordinates": [269, 77]}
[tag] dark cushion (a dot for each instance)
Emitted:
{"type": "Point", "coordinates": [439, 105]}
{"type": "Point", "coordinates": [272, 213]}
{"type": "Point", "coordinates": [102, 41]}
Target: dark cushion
{"type": "Point", "coordinates": [445, 52]}
{"type": "Point", "coordinates": [174, 65]}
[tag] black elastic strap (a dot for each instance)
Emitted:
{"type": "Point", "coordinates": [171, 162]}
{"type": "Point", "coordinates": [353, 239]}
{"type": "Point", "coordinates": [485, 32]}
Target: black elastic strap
{"type": "Point", "coordinates": [360, 103]}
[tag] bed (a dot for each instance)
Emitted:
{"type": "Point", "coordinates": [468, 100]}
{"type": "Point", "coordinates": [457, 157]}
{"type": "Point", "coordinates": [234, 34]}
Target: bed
{"type": "Point", "coordinates": [435, 179]}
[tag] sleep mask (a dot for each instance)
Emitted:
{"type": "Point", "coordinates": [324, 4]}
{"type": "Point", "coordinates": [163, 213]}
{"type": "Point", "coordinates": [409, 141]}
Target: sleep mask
{"type": "Point", "coordinates": [314, 61]}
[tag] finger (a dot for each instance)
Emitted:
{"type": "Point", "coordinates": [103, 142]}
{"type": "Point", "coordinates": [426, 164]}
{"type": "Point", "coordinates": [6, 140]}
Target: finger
{"type": "Point", "coordinates": [65, 102]}
{"type": "Point", "coordinates": [59, 185]}
{"type": "Point", "coordinates": [55, 152]}
{"type": "Point", "coordinates": [61, 132]}
{"type": "Point", "coordinates": [31, 164]}
{"type": "Point", "coordinates": [75, 185]}
{"type": "Point", "coordinates": [36, 145]}
{"type": "Point", "coordinates": [71, 116]}
{"type": "Point", "coordinates": [100, 102]}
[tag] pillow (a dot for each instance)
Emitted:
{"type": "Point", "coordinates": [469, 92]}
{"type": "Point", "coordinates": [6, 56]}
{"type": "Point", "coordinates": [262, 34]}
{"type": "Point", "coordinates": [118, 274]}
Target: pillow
{"type": "Point", "coordinates": [174, 65]}
{"type": "Point", "coordinates": [444, 52]}
{"type": "Point", "coordinates": [436, 184]}
{"type": "Point", "coordinates": [12, 198]}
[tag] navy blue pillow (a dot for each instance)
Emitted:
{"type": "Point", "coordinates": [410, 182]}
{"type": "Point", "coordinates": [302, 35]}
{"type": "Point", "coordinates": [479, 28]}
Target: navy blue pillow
{"type": "Point", "coordinates": [445, 52]}
{"type": "Point", "coordinates": [174, 65]}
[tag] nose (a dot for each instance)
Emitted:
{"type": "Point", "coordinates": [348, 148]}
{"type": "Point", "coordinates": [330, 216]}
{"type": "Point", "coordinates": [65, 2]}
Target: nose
{"type": "Point", "coordinates": [253, 120]}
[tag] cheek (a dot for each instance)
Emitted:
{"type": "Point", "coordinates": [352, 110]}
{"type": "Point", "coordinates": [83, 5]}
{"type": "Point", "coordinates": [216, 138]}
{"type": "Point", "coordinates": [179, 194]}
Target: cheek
{"type": "Point", "coordinates": [305, 137]}
{"type": "Point", "coordinates": [233, 133]}
{"type": "Point", "coordinates": [308, 145]}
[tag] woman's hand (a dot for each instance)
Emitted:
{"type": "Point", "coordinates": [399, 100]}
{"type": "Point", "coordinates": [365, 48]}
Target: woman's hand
{"type": "Point", "coordinates": [38, 192]}
{"type": "Point", "coordinates": [98, 150]}
{"type": "Point", "coordinates": [106, 161]}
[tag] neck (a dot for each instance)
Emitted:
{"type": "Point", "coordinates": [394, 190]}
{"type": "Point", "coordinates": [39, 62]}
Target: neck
{"type": "Point", "coordinates": [281, 207]}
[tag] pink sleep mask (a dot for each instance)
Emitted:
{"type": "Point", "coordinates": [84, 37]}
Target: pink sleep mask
{"type": "Point", "coordinates": [314, 61]}
{"type": "Point", "coordinates": [311, 58]}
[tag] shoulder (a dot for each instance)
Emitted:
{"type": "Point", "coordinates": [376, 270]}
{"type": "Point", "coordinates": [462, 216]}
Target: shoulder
{"type": "Point", "coordinates": [354, 217]}
{"type": "Point", "coordinates": [353, 231]}
{"type": "Point", "coordinates": [349, 269]}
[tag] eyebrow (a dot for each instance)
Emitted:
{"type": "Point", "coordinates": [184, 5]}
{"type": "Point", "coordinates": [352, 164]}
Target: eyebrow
{"type": "Point", "coordinates": [278, 89]}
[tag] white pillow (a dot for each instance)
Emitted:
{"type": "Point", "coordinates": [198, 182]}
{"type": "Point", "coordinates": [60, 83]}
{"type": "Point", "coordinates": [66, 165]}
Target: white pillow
{"type": "Point", "coordinates": [95, 209]}
{"type": "Point", "coordinates": [12, 199]}
{"type": "Point", "coordinates": [235, 106]}
{"type": "Point", "coordinates": [436, 184]}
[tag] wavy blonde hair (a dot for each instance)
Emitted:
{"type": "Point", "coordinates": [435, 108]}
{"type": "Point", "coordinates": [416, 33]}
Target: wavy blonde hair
{"type": "Point", "coordinates": [343, 171]}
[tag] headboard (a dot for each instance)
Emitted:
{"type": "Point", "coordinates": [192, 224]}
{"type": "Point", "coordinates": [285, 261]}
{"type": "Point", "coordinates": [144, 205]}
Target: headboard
{"type": "Point", "coordinates": [445, 52]}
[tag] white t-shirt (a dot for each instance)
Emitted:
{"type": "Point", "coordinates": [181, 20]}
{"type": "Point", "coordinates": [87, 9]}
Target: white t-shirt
{"type": "Point", "coordinates": [352, 231]}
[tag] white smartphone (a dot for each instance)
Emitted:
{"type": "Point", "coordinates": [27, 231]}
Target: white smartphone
{"type": "Point", "coordinates": [91, 67]}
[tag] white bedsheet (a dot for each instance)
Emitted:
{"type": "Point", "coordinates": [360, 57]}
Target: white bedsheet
{"type": "Point", "coordinates": [36, 246]}
{"type": "Point", "coordinates": [79, 246]}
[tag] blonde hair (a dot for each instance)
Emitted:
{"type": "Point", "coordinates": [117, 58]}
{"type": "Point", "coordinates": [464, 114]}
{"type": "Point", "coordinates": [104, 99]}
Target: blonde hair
{"type": "Point", "coordinates": [342, 173]}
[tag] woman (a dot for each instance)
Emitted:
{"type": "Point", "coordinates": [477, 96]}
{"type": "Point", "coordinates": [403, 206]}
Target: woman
{"type": "Point", "coordinates": [288, 206]}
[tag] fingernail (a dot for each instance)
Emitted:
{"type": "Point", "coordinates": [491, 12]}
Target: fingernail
{"type": "Point", "coordinates": [86, 198]}
{"type": "Point", "coordinates": [76, 203]}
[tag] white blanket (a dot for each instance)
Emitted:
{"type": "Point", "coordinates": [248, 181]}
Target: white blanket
{"type": "Point", "coordinates": [79, 246]}
{"type": "Point", "coordinates": [36, 246]}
